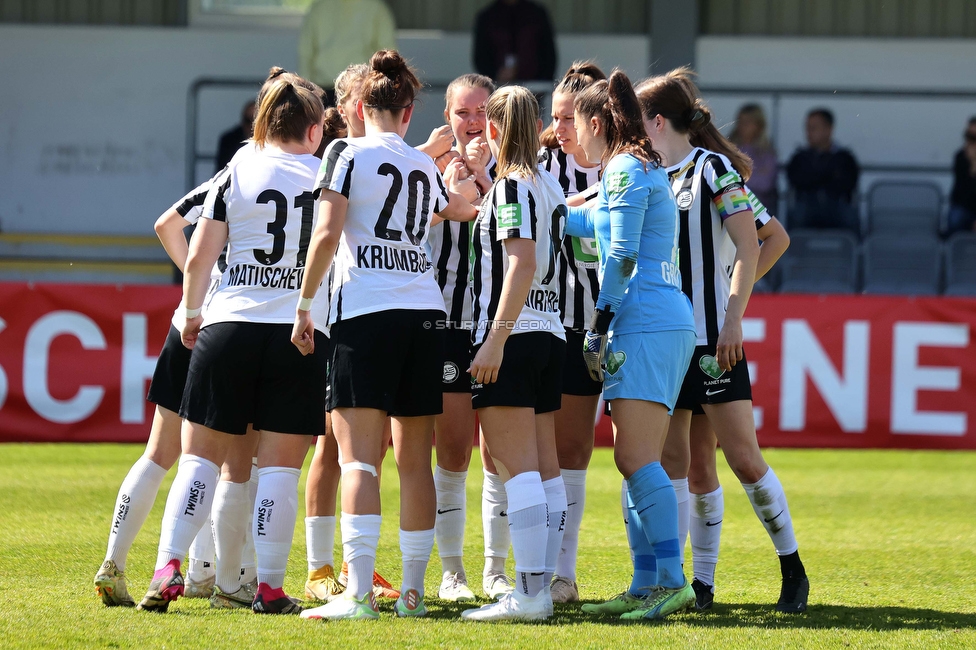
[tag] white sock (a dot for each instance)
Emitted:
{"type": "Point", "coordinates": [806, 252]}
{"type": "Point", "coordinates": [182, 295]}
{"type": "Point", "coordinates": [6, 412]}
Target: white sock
{"type": "Point", "coordinates": [449, 522]}
{"type": "Point", "coordinates": [556, 511]}
{"type": "Point", "coordinates": [202, 553]}
{"type": "Point", "coordinates": [527, 518]}
{"type": "Point", "coordinates": [187, 507]}
{"type": "Point", "coordinates": [136, 497]}
{"type": "Point", "coordinates": [360, 536]}
{"type": "Point", "coordinates": [249, 562]}
{"type": "Point", "coordinates": [625, 508]}
{"type": "Point", "coordinates": [769, 502]}
{"type": "Point", "coordinates": [230, 524]}
{"type": "Point", "coordinates": [494, 519]}
{"type": "Point", "coordinates": [706, 533]}
{"type": "Point", "coordinates": [319, 541]}
{"type": "Point", "coordinates": [275, 509]}
{"type": "Point", "coordinates": [684, 512]}
{"type": "Point", "coordinates": [575, 482]}
{"type": "Point", "coordinates": [415, 547]}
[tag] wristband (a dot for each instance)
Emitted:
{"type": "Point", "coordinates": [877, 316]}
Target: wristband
{"type": "Point", "coordinates": [304, 304]}
{"type": "Point", "coordinates": [600, 322]}
{"type": "Point", "coordinates": [193, 313]}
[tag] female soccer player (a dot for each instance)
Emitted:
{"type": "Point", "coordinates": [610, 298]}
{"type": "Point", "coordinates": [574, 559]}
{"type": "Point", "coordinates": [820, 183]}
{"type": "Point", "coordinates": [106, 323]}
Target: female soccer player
{"type": "Point", "coordinates": [577, 274]}
{"type": "Point", "coordinates": [450, 244]}
{"type": "Point", "coordinates": [636, 224]}
{"type": "Point", "coordinates": [719, 255]}
{"type": "Point", "coordinates": [519, 348]}
{"type": "Point", "coordinates": [378, 197]}
{"type": "Point", "coordinates": [243, 369]}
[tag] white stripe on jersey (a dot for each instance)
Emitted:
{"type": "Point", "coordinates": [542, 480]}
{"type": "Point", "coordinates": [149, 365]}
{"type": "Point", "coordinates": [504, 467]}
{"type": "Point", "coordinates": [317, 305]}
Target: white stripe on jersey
{"type": "Point", "coordinates": [524, 209]}
{"type": "Point", "coordinates": [268, 205]}
{"type": "Point", "coordinates": [579, 260]}
{"type": "Point", "coordinates": [393, 190]}
{"type": "Point", "coordinates": [701, 182]}
{"type": "Point", "coordinates": [450, 253]}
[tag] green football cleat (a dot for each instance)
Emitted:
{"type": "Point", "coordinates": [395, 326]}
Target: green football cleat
{"type": "Point", "coordinates": [620, 604]}
{"type": "Point", "coordinates": [346, 607]}
{"type": "Point", "coordinates": [410, 604]}
{"type": "Point", "coordinates": [663, 601]}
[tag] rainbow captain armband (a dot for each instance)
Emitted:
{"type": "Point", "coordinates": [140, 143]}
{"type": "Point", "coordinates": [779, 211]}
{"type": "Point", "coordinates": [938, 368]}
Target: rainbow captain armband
{"type": "Point", "coordinates": [732, 200]}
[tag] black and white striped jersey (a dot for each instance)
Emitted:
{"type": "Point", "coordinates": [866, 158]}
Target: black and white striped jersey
{"type": "Point", "coordinates": [579, 260]}
{"type": "Point", "coordinates": [518, 208]}
{"type": "Point", "coordinates": [708, 190]}
{"type": "Point", "coordinates": [393, 191]}
{"type": "Point", "coordinates": [267, 203]}
{"type": "Point", "coordinates": [450, 253]}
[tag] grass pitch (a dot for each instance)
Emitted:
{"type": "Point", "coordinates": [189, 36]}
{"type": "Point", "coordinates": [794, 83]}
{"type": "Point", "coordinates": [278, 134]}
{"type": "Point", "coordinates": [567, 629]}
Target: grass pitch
{"type": "Point", "coordinates": [887, 538]}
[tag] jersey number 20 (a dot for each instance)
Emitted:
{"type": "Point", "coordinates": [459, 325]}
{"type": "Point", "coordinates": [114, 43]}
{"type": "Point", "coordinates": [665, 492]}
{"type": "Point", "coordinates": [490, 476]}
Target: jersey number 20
{"type": "Point", "coordinates": [382, 228]}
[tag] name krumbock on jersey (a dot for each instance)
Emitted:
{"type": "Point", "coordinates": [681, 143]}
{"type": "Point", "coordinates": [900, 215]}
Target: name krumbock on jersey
{"type": "Point", "coordinates": [382, 263]}
{"type": "Point", "coordinates": [518, 208]}
{"type": "Point", "coordinates": [273, 214]}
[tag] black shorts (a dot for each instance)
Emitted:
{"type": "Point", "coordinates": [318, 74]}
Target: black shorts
{"type": "Point", "coordinates": [531, 374]}
{"type": "Point", "coordinates": [576, 378]}
{"type": "Point", "coordinates": [390, 360]}
{"type": "Point", "coordinates": [243, 373]}
{"type": "Point", "coordinates": [706, 383]}
{"type": "Point", "coordinates": [169, 377]}
{"type": "Point", "coordinates": [457, 360]}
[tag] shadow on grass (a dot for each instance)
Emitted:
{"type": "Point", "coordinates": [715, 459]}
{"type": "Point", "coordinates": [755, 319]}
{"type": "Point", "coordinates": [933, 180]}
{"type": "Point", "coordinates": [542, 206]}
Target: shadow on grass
{"type": "Point", "coordinates": [756, 615]}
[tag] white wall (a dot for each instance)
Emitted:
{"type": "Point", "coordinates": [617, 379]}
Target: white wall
{"type": "Point", "coordinates": [93, 120]}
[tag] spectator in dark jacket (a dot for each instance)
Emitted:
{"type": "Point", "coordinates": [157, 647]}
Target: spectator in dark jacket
{"type": "Point", "coordinates": [962, 201]}
{"type": "Point", "coordinates": [823, 178]}
{"type": "Point", "coordinates": [513, 41]}
{"type": "Point", "coordinates": [232, 139]}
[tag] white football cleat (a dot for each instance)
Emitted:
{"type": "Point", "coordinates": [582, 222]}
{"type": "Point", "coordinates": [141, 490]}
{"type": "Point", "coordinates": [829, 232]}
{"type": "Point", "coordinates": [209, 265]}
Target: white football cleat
{"type": "Point", "coordinates": [454, 588]}
{"type": "Point", "coordinates": [515, 606]}
{"type": "Point", "coordinates": [496, 584]}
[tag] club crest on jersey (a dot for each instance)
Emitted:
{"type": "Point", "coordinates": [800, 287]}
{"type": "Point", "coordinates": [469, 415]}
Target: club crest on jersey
{"type": "Point", "coordinates": [684, 199]}
{"type": "Point", "coordinates": [709, 366]}
{"type": "Point", "coordinates": [617, 181]}
{"type": "Point", "coordinates": [510, 215]}
{"type": "Point", "coordinates": [451, 372]}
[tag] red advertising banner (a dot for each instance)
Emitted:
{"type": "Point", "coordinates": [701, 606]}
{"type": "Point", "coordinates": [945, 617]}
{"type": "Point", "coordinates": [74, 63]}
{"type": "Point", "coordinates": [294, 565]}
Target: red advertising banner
{"type": "Point", "coordinates": [827, 371]}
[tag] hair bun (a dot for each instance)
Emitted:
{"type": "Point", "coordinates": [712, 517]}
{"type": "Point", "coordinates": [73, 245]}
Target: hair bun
{"type": "Point", "coordinates": [276, 71]}
{"type": "Point", "coordinates": [388, 62]}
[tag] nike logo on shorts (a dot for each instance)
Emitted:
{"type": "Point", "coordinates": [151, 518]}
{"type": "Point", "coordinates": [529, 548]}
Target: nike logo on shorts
{"type": "Point", "coordinates": [709, 393]}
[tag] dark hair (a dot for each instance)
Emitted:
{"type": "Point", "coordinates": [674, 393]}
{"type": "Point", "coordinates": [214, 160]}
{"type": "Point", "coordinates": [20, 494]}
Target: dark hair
{"type": "Point", "coordinates": [675, 97]}
{"type": "Point", "coordinates": [334, 128]}
{"type": "Point", "coordinates": [285, 112]}
{"type": "Point", "coordinates": [972, 120]}
{"type": "Point", "coordinates": [276, 72]}
{"type": "Point", "coordinates": [824, 113]}
{"type": "Point", "coordinates": [580, 75]}
{"type": "Point", "coordinates": [614, 102]}
{"type": "Point", "coordinates": [391, 84]}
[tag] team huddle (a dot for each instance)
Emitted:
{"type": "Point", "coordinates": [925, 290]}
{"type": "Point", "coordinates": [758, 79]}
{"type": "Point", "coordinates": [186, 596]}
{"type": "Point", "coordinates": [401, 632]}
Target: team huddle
{"type": "Point", "coordinates": [345, 286]}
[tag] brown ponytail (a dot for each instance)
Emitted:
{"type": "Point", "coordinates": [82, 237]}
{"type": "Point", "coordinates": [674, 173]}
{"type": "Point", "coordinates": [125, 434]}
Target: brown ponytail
{"type": "Point", "coordinates": [285, 112]}
{"type": "Point", "coordinates": [615, 104]}
{"type": "Point", "coordinates": [580, 75]}
{"type": "Point", "coordinates": [391, 84]}
{"type": "Point", "coordinates": [675, 97]}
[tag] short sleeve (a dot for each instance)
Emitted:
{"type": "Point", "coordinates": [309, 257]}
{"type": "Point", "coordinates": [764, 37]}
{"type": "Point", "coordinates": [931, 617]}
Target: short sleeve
{"type": "Point", "coordinates": [336, 171]}
{"type": "Point", "coordinates": [625, 184]}
{"type": "Point", "coordinates": [190, 207]}
{"type": "Point", "coordinates": [725, 185]}
{"type": "Point", "coordinates": [514, 211]}
{"type": "Point", "coordinates": [441, 198]}
{"type": "Point", "coordinates": [215, 205]}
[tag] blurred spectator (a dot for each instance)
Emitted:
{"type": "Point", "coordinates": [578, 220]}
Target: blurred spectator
{"type": "Point", "coordinates": [231, 141]}
{"type": "Point", "coordinates": [823, 178]}
{"type": "Point", "coordinates": [962, 202]}
{"type": "Point", "coordinates": [338, 33]}
{"type": "Point", "coordinates": [513, 41]}
{"type": "Point", "coordinates": [752, 138]}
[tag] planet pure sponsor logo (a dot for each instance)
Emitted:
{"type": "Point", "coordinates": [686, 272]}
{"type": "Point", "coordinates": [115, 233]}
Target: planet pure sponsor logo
{"type": "Point", "coordinates": [264, 516]}
{"type": "Point", "coordinates": [197, 494]}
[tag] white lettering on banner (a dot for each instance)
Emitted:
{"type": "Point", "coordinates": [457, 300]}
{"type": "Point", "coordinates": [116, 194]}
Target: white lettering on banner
{"type": "Point", "coordinates": [754, 331]}
{"type": "Point", "coordinates": [137, 367]}
{"type": "Point", "coordinates": [4, 384]}
{"type": "Point", "coordinates": [907, 378]}
{"type": "Point", "coordinates": [846, 395]}
{"type": "Point", "coordinates": [37, 348]}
